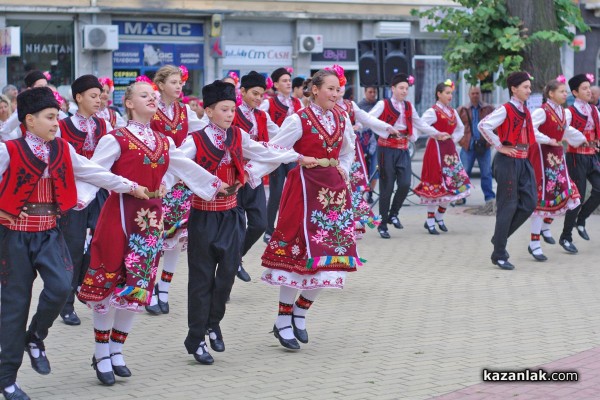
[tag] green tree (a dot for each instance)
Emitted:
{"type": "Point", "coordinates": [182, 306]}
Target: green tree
{"type": "Point", "coordinates": [488, 36]}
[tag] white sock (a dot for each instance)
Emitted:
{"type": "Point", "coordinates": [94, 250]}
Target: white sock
{"type": "Point", "coordinates": [202, 348]}
{"type": "Point", "coordinates": [11, 388]}
{"type": "Point", "coordinates": [430, 219]}
{"type": "Point", "coordinates": [35, 352]}
{"type": "Point", "coordinates": [300, 311]}
{"type": "Point", "coordinates": [121, 327]}
{"type": "Point", "coordinates": [546, 227]}
{"type": "Point", "coordinates": [170, 258]}
{"type": "Point", "coordinates": [287, 296]}
{"type": "Point", "coordinates": [439, 216]}
{"type": "Point", "coordinates": [102, 325]}
{"type": "Point", "coordinates": [536, 226]}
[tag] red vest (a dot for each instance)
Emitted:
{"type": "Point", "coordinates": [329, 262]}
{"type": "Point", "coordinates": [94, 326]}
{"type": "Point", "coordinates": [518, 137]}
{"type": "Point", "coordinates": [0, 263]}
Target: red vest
{"type": "Point", "coordinates": [511, 132]}
{"type": "Point", "coordinates": [242, 122]}
{"type": "Point", "coordinates": [209, 157]}
{"type": "Point", "coordinates": [444, 123]}
{"type": "Point", "coordinates": [25, 170]}
{"type": "Point", "coordinates": [579, 122]}
{"type": "Point", "coordinates": [137, 162]}
{"type": "Point", "coordinates": [350, 110]}
{"type": "Point", "coordinates": [76, 138]}
{"type": "Point", "coordinates": [391, 115]}
{"type": "Point", "coordinates": [553, 127]}
{"type": "Point", "coordinates": [315, 140]}
{"type": "Point", "coordinates": [177, 128]}
{"type": "Point", "coordinates": [279, 111]}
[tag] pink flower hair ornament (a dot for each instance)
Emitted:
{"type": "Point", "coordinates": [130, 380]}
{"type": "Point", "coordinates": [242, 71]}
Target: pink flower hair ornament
{"type": "Point", "coordinates": [145, 79]}
{"type": "Point", "coordinates": [290, 70]}
{"type": "Point", "coordinates": [590, 77]}
{"type": "Point", "coordinates": [233, 75]}
{"type": "Point", "coordinates": [339, 70]}
{"type": "Point", "coordinates": [184, 73]}
{"type": "Point", "coordinates": [411, 80]}
{"type": "Point", "coordinates": [105, 80]}
{"type": "Point", "coordinates": [561, 78]}
{"type": "Point", "coordinates": [269, 83]}
{"type": "Point", "coordinates": [58, 98]}
{"type": "Point", "coordinates": [47, 75]}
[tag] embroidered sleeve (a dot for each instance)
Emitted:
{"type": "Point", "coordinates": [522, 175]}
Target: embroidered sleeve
{"type": "Point", "coordinates": [489, 123]}
{"type": "Point", "coordinates": [573, 136]}
{"type": "Point", "coordinates": [538, 117]}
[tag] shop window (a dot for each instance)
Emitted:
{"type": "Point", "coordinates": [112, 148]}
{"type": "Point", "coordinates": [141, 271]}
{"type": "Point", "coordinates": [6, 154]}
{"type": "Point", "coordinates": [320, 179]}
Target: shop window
{"type": "Point", "coordinates": [45, 46]}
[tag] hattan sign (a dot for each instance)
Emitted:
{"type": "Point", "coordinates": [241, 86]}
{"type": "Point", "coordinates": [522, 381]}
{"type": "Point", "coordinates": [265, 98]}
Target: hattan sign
{"type": "Point", "coordinates": [257, 55]}
{"type": "Point", "coordinates": [48, 48]}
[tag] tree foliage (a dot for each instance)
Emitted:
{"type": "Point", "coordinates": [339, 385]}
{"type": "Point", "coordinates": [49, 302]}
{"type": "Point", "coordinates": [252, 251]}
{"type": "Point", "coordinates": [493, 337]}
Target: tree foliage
{"type": "Point", "coordinates": [483, 37]}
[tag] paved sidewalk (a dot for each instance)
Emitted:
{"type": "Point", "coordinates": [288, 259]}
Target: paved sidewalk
{"type": "Point", "coordinates": [421, 319]}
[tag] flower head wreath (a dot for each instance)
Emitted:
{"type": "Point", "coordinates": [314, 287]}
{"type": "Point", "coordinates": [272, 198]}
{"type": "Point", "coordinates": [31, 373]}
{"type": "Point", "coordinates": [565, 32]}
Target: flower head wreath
{"type": "Point", "coordinates": [184, 73]}
{"type": "Point", "coordinates": [339, 71]}
{"type": "Point", "coordinates": [449, 83]}
{"type": "Point", "coordinates": [590, 77]}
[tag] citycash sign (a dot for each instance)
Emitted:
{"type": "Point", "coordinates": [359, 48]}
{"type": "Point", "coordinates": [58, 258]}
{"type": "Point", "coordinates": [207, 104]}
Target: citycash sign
{"type": "Point", "coordinates": [257, 55]}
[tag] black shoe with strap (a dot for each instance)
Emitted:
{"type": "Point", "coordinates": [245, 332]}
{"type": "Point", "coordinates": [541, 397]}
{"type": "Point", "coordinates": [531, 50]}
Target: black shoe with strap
{"type": "Point", "coordinates": [568, 246]}
{"type": "Point", "coordinates": [430, 229]}
{"type": "Point", "coordinates": [40, 364]}
{"type": "Point", "coordinates": [216, 344]}
{"type": "Point", "coordinates": [204, 358]}
{"type": "Point", "coordinates": [300, 334]}
{"type": "Point", "coordinates": [242, 274]}
{"type": "Point", "coordinates": [18, 394]}
{"type": "Point", "coordinates": [441, 225]}
{"type": "Point", "coordinates": [383, 233]}
{"type": "Point", "coordinates": [70, 317]}
{"type": "Point", "coordinates": [107, 378]}
{"type": "Point", "coordinates": [582, 232]}
{"type": "Point", "coordinates": [548, 239]}
{"type": "Point", "coordinates": [538, 257]}
{"type": "Point", "coordinates": [504, 264]}
{"type": "Point", "coordinates": [396, 222]}
{"type": "Point", "coordinates": [120, 370]}
{"type": "Point", "coordinates": [291, 344]}
{"type": "Point", "coordinates": [155, 309]}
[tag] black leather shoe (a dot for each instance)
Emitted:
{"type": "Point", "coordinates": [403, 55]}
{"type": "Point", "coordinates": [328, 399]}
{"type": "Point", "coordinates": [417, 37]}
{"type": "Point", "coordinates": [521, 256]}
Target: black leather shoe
{"type": "Point", "coordinates": [216, 344]}
{"type": "Point", "coordinates": [582, 232]}
{"type": "Point", "coordinates": [18, 394]}
{"type": "Point", "coordinates": [204, 358]}
{"type": "Point", "coordinates": [243, 275]}
{"type": "Point", "coordinates": [155, 309]}
{"type": "Point", "coordinates": [431, 229]}
{"type": "Point", "coordinates": [266, 238]}
{"type": "Point", "coordinates": [538, 257]}
{"type": "Point", "coordinates": [107, 378]}
{"type": "Point", "coordinates": [384, 233]}
{"type": "Point", "coordinates": [442, 225]}
{"type": "Point", "coordinates": [40, 364]}
{"type": "Point", "coordinates": [120, 370]}
{"type": "Point", "coordinates": [300, 334]}
{"type": "Point", "coordinates": [291, 344]}
{"type": "Point", "coordinates": [548, 239]}
{"type": "Point", "coordinates": [369, 197]}
{"type": "Point", "coordinates": [70, 318]}
{"type": "Point", "coordinates": [504, 264]}
{"type": "Point", "coordinates": [396, 222]}
{"type": "Point", "coordinates": [568, 246]}
{"type": "Point", "coordinates": [163, 305]}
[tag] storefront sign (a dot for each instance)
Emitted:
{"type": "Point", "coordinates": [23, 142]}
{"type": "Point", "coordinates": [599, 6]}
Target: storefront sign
{"type": "Point", "coordinates": [138, 55]}
{"type": "Point", "coordinates": [335, 55]}
{"type": "Point", "coordinates": [258, 55]}
{"type": "Point", "coordinates": [159, 29]}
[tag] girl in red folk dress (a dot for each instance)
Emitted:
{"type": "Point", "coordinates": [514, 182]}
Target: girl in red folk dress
{"type": "Point", "coordinates": [313, 245]}
{"type": "Point", "coordinates": [556, 191]}
{"type": "Point", "coordinates": [360, 119]}
{"type": "Point", "coordinates": [105, 112]}
{"type": "Point", "coordinates": [129, 234]}
{"type": "Point", "coordinates": [173, 119]}
{"type": "Point", "coordinates": [443, 178]}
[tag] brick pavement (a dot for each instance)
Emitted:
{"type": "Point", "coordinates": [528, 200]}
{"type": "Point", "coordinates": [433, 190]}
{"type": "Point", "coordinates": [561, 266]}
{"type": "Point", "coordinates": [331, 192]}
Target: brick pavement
{"type": "Point", "coordinates": [421, 319]}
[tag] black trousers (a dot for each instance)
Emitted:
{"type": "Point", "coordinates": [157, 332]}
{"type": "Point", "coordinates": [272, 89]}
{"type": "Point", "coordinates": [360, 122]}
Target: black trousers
{"type": "Point", "coordinates": [394, 169]}
{"type": "Point", "coordinates": [74, 226]}
{"type": "Point", "coordinates": [254, 202]}
{"type": "Point", "coordinates": [516, 199]}
{"type": "Point", "coordinates": [22, 256]}
{"type": "Point", "coordinates": [214, 242]}
{"type": "Point", "coordinates": [582, 168]}
{"type": "Point", "coordinates": [276, 181]}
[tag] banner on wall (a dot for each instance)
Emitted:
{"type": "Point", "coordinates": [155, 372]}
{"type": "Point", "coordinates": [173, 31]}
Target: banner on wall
{"type": "Point", "coordinates": [258, 55]}
{"type": "Point", "coordinates": [153, 55]}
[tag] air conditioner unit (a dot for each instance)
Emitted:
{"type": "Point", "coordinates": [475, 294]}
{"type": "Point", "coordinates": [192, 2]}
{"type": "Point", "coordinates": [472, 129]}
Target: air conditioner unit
{"type": "Point", "coordinates": [100, 37]}
{"type": "Point", "coordinates": [310, 44]}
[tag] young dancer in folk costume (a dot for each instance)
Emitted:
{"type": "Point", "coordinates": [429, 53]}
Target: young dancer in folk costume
{"type": "Point", "coordinates": [394, 159]}
{"type": "Point", "coordinates": [443, 178]}
{"type": "Point", "coordinates": [260, 127]}
{"type": "Point", "coordinates": [556, 191]}
{"type": "Point", "coordinates": [516, 196]}
{"type": "Point", "coordinates": [582, 161]}
{"type": "Point", "coordinates": [313, 245]}
{"type": "Point", "coordinates": [105, 112]}
{"type": "Point", "coordinates": [30, 242]}
{"type": "Point", "coordinates": [175, 120]}
{"type": "Point", "coordinates": [279, 107]}
{"type": "Point", "coordinates": [82, 131]}
{"type": "Point", "coordinates": [363, 215]}
{"type": "Point", "coordinates": [129, 235]}
{"type": "Point", "coordinates": [217, 227]}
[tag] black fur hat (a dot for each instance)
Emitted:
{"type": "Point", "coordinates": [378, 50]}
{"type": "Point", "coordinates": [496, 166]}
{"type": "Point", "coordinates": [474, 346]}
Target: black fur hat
{"type": "Point", "coordinates": [253, 79]}
{"type": "Point", "coordinates": [577, 80]}
{"type": "Point", "coordinates": [32, 77]}
{"type": "Point", "coordinates": [218, 91]}
{"type": "Point", "coordinates": [35, 100]}
{"type": "Point", "coordinates": [83, 83]}
{"type": "Point", "coordinates": [278, 73]}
